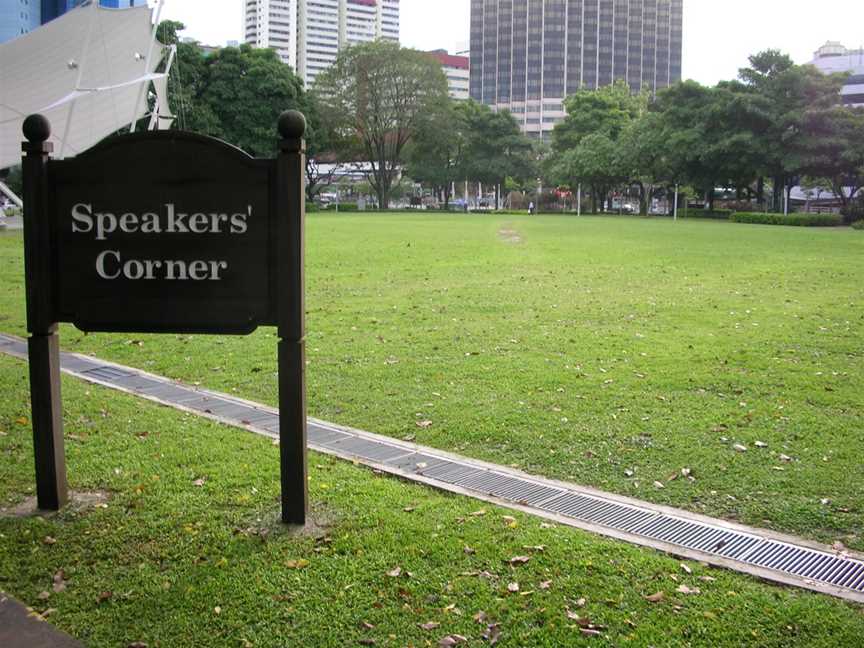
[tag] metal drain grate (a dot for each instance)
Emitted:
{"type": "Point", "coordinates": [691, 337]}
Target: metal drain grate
{"type": "Point", "coordinates": [701, 537]}
{"type": "Point", "coordinates": [811, 564]}
{"type": "Point", "coordinates": [110, 374]}
{"type": "Point", "coordinates": [748, 550]}
{"type": "Point", "coordinates": [598, 511]}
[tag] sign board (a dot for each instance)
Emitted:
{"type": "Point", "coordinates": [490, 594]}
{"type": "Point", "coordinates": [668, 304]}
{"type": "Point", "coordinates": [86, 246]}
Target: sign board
{"type": "Point", "coordinates": [165, 232]}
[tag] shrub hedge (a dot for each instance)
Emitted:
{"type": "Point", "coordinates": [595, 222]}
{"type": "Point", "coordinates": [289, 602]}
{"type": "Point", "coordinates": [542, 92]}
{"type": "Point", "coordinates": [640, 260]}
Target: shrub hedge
{"type": "Point", "coordinates": [858, 225]}
{"type": "Point", "coordinates": [716, 214]}
{"type": "Point", "coordinates": [801, 220]}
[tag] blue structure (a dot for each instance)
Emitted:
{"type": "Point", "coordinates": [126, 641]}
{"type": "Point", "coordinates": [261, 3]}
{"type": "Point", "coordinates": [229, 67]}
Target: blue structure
{"type": "Point", "coordinates": [18, 17]}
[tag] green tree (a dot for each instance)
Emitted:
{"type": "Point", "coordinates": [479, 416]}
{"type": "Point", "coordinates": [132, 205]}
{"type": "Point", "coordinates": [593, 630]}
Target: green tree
{"type": "Point", "coordinates": [829, 143]}
{"type": "Point", "coordinates": [644, 158]}
{"type": "Point", "coordinates": [606, 110]}
{"type": "Point", "coordinates": [235, 94]}
{"type": "Point", "coordinates": [785, 94]}
{"type": "Point", "coordinates": [377, 94]}
{"type": "Point", "coordinates": [593, 162]}
{"type": "Point", "coordinates": [435, 157]}
{"type": "Point", "coordinates": [495, 148]}
{"type": "Point", "coordinates": [246, 90]}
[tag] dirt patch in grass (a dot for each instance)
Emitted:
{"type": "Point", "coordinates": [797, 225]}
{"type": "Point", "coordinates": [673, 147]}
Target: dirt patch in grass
{"type": "Point", "coordinates": [509, 235]}
{"type": "Point", "coordinates": [79, 502]}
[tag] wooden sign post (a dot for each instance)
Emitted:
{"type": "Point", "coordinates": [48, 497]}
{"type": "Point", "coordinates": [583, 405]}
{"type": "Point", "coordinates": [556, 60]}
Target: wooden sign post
{"type": "Point", "coordinates": [165, 232]}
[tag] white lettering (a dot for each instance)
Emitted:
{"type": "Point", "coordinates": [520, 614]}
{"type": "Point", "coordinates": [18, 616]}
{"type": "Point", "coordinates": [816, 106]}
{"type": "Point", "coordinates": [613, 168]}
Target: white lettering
{"type": "Point", "coordinates": [179, 265]}
{"type": "Point", "coordinates": [82, 213]}
{"type": "Point", "coordinates": [129, 223]}
{"type": "Point", "coordinates": [150, 224]}
{"type": "Point", "coordinates": [100, 264]}
{"type": "Point", "coordinates": [199, 223]}
{"type": "Point", "coordinates": [176, 221]}
{"type": "Point", "coordinates": [238, 222]}
{"type": "Point", "coordinates": [105, 224]}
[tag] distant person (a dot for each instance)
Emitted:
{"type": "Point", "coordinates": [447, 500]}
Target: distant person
{"type": "Point", "coordinates": [531, 208]}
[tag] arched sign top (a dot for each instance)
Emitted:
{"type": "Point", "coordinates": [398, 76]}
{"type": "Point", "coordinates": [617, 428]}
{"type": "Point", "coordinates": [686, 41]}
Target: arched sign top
{"type": "Point", "coordinates": [163, 138]}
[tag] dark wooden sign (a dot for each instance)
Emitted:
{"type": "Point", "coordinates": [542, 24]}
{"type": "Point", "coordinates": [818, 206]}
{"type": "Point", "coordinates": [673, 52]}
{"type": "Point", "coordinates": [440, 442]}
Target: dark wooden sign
{"type": "Point", "coordinates": [165, 232]}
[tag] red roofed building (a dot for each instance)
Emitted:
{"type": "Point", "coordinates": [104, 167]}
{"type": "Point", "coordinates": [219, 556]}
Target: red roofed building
{"type": "Point", "coordinates": [456, 69]}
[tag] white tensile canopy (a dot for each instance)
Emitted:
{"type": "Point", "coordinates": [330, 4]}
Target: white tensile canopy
{"type": "Point", "coordinates": [88, 72]}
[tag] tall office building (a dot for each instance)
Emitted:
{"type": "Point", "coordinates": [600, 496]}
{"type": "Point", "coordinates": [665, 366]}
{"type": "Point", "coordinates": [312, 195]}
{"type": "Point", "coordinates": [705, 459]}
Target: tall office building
{"type": "Point", "coordinates": [528, 55]}
{"type": "Point", "coordinates": [19, 17]}
{"type": "Point", "coordinates": [308, 34]}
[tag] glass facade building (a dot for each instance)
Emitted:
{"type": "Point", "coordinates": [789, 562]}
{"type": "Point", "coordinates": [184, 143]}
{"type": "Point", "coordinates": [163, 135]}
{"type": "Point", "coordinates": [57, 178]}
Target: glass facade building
{"type": "Point", "coordinates": [527, 55]}
{"type": "Point", "coordinates": [19, 17]}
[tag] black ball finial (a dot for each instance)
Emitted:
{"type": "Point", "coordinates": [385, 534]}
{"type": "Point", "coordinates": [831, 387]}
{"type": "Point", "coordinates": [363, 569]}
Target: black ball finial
{"type": "Point", "coordinates": [37, 128]}
{"type": "Point", "coordinates": [292, 124]}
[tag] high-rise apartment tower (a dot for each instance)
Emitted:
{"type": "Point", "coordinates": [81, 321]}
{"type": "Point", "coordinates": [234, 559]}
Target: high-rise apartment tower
{"type": "Point", "coordinates": [308, 34]}
{"type": "Point", "coordinates": [527, 55]}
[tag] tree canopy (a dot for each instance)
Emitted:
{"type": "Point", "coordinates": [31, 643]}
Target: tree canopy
{"type": "Point", "coordinates": [378, 95]}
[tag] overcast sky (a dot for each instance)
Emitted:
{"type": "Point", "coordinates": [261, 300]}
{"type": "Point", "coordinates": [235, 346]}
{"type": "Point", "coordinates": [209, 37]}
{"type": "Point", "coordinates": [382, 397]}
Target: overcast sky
{"type": "Point", "coordinates": [719, 35]}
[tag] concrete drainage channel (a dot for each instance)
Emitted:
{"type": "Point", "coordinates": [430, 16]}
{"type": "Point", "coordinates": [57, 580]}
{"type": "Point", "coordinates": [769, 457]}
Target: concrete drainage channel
{"type": "Point", "coordinates": [765, 554]}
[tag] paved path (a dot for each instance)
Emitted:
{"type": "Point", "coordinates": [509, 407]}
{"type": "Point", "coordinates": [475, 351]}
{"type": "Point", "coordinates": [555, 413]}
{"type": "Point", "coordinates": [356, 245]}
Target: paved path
{"type": "Point", "coordinates": [11, 223]}
{"type": "Point", "coordinates": [21, 627]}
{"type": "Point", "coordinates": [766, 554]}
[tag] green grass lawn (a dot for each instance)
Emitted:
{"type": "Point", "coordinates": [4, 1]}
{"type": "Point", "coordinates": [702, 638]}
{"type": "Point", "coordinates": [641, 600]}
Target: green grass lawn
{"type": "Point", "coordinates": [611, 352]}
{"type": "Point", "coordinates": [186, 552]}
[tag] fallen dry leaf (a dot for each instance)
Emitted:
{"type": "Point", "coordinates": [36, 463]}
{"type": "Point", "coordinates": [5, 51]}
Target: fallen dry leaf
{"type": "Point", "coordinates": [579, 603]}
{"type": "Point", "coordinates": [739, 448]}
{"type": "Point", "coordinates": [452, 640]}
{"type": "Point", "coordinates": [513, 587]}
{"type": "Point", "coordinates": [199, 482]}
{"type": "Point", "coordinates": [395, 572]}
{"type": "Point", "coordinates": [59, 581]}
{"type": "Point", "coordinates": [519, 560]}
{"type": "Point", "coordinates": [656, 598]}
{"type": "Point", "coordinates": [423, 424]}
{"type": "Point", "coordinates": [43, 595]}
{"type": "Point", "coordinates": [589, 632]}
{"type": "Point", "coordinates": [48, 540]}
{"type": "Point", "coordinates": [429, 625]}
{"type": "Point", "coordinates": [480, 617]}
{"type": "Point", "coordinates": [658, 484]}
{"type": "Point", "coordinates": [683, 589]}
{"type": "Point", "coordinates": [104, 596]}
{"type": "Point", "coordinates": [686, 569]}
{"type": "Point", "coordinates": [300, 563]}
{"type": "Point", "coordinates": [761, 444]}
{"type": "Point", "coordinates": [545, 585]}
{"type": "Point", "coordinates": [468, 551]}
{"type": "Point", "coordinates": [478, 513]}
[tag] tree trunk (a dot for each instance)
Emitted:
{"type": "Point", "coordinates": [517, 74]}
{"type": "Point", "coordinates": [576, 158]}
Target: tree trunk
{"type": "Point", "coordinates": [643, 202]}
{"type": "Point", "coordinates": [760, 191]}
{"type": "Point", "coordinates": [779, 182]}
{"type": "Point", "coordinates": [593, 199]}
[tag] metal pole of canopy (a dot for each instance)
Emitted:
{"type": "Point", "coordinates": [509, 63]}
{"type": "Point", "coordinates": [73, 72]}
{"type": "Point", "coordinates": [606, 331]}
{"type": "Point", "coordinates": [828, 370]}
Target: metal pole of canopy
{"type": "Point", "coordinates": [159, 5]}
